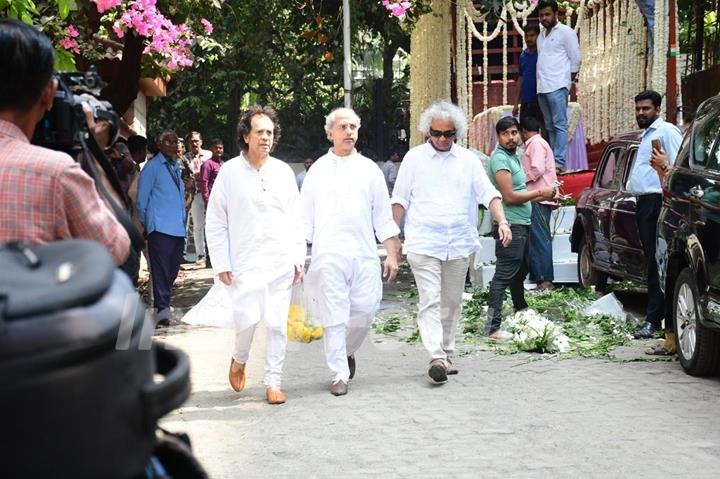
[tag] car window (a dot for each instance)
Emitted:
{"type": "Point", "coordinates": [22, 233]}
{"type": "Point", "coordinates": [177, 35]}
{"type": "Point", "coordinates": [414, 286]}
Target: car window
{"type": "Point", "coordinates": [623, 174]}
{"type": "Point", "coordinates": [705, 133]}
{"type": "Point", "coordinates": [607, 174]}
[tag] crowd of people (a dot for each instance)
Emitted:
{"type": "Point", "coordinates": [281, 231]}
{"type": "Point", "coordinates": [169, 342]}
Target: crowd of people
{"type": "Point", "coordinates": [342, 204]}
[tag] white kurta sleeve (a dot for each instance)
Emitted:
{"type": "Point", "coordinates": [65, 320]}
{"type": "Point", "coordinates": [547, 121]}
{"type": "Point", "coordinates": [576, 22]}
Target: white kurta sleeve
{"type": "Point", "coordinates": [307, 205]}
{"type": "Point", "coordinates": [382, 218]}
{"type": "Point", "coordinates": [483, 189]}
{"type": "Point", "coordinates": [216, 226]}
{"type": "Point", "coordinates": [401, 191]}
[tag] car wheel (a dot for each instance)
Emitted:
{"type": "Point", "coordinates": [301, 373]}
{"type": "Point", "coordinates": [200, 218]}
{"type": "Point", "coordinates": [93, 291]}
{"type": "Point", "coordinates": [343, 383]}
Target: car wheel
{"type": "Point", "coordinates": [587, 274]}
{"type": "Point", "coordinates": [698, 347]}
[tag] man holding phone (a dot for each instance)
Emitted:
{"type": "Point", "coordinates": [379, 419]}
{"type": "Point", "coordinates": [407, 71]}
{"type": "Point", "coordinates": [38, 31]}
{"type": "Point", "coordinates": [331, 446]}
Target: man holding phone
{"type": "Point", "coordinates": [658, 148]}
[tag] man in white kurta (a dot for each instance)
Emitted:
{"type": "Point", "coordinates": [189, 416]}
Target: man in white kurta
{"type": "Point", "coordinates": [254, 236]}
{"type": "Point", "coordinates": [439, 186]}
{"type": "Point", "coordinates": [345, 208]}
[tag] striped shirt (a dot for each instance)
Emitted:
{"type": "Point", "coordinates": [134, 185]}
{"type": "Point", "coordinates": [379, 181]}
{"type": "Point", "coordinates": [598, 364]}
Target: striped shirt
{"type": "Point", "coordinates": [46, 196]}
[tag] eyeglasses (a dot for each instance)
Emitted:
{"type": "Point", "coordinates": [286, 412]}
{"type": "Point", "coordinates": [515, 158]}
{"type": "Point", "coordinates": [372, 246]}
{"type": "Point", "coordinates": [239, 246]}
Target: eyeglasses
{"type": "Point", "coordinates": [446, 134]}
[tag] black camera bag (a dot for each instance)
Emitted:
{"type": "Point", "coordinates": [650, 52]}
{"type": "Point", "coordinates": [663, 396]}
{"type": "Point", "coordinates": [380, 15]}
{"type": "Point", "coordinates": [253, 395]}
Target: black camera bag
{"type": "Point", "coordinates": [78, 390]}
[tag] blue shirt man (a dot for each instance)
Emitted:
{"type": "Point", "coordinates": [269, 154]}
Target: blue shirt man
{"type": "Point", "coordinates": [528, 66]}
{"type": "Point", "coordinates": [161, 209]}
{"type": "Point", "coordinates": [527, 99]}
{"type": "Point", "coordinates": [160, 197]}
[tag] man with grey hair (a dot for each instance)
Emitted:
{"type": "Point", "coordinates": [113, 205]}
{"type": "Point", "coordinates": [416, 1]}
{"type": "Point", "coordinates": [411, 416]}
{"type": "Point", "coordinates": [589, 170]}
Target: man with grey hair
{"type": "Point", "coordinates": [346, 206]}
{"type": "Point", "coordinates": [161, 210]}
{"type": "Point", "coordinates": [439, 186]}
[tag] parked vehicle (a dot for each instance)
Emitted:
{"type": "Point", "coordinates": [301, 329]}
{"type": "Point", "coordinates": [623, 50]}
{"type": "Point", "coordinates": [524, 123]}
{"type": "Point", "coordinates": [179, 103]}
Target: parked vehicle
{"type": "Point", "coordinates": [605, 234]}
{"type": "Point", "coordinates": [689, 244]}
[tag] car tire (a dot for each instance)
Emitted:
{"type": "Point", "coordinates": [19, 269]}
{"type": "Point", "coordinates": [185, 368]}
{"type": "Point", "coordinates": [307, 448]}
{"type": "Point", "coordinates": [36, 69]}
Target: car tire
{"type": "Point", "coordinates": [698, 347]}
{"type": "Point", "coordinates": [587, 274]}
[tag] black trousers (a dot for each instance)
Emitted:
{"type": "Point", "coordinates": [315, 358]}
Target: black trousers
{"type": "Point", "coordinates": [511, 268]}
{"type": "Point", "coordinates": [166, 254]}
{"type": "Point", "coordinates": [646, 215]}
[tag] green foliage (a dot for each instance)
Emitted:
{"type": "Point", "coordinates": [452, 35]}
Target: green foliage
{"type": "Point", "coordinates": [288, 54]}
{"type": "Point", "coordinates": [64, 60]}
{"type": "Point", "coordinates": [389, 324]}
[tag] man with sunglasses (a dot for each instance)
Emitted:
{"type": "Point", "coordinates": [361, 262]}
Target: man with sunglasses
{"type": "Point", "coordinates": [439, 186]}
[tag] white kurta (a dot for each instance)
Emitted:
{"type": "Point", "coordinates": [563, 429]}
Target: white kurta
{"type": "Point", "coordinates": [345, 208]}
{"type": "Point", "coordinates": [253, 230]}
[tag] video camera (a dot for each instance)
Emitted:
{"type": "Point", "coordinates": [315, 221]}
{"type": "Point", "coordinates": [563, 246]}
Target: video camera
{"type": "Point", "coordinates": [64, 126]}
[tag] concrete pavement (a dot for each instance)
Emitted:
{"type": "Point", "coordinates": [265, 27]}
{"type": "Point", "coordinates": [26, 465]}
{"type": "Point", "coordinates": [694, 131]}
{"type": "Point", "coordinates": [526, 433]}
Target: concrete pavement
{"type": "Point", "coordinates": [502, 416]}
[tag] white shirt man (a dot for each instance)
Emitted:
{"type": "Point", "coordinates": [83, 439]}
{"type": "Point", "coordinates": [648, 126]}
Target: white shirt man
{"type": "Point", "coordinates": [345, 207]}
{"type": "Point", "coordinates": [557, 66]}
{"type": "Point", "coordinates": [196, 156]}
{"type": "Point", "coordinates": [440, 185]}
{"type": "Point", "coordinates": [255, 240]}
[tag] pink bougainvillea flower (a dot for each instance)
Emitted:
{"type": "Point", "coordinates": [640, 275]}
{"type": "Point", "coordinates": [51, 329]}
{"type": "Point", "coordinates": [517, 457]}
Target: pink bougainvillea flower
{"type": "Point", "coordinates": [69, 44]}
{"type": "Point", "coordinates": [207, 25]}
{"type": "Point", "coordinates": [103, 5]}
{"type": "Point", "coordinates": [397, 7]}
{"type": "Point", "coordinates": [72, 31]}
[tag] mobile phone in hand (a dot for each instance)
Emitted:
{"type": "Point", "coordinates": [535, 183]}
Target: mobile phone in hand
{"type": "Point", "coordinates": [657, 144]}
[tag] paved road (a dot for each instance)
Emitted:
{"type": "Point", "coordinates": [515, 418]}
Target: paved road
{"type": "Point", "coordinates": [502, 416]}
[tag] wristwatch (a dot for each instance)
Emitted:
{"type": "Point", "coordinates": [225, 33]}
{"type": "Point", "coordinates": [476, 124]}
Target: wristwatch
{"type": "Point", "coordinates": [504, 222]}
{"type": "Point", "coordinates": [664, 167]}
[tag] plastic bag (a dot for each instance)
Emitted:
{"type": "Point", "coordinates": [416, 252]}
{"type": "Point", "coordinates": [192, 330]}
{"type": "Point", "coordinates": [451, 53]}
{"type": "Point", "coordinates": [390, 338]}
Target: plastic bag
{"type": "Point", "coordinates": [608, 305]}
{"type": "Point", "coordinates": [303, 323]}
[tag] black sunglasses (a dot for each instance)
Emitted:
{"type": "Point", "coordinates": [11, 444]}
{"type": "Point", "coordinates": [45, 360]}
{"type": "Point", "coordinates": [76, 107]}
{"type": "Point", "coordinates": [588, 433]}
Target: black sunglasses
{"type": "Point", "coordinates": [446, 134]}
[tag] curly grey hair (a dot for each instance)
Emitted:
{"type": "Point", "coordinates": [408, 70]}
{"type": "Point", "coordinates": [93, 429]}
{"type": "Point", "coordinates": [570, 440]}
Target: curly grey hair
{"type": "Point", "coordinates": [330, 119]}
{"type": "Point", "coordinates": [443, 110]}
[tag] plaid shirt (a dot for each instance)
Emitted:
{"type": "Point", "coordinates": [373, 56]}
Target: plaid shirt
{"type": "Point", "coordinates": [45, 196]}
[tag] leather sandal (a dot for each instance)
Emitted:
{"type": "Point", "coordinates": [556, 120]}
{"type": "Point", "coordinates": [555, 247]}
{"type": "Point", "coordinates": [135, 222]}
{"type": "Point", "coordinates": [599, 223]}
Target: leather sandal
{"type": "Point", "coordinates": [237, 378]}
{"type": "Point", "coordinates": [275, 396]}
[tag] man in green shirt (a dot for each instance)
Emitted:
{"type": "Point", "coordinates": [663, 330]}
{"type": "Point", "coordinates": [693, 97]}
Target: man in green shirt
{"type": "Point", "coordinates": [508, 176]}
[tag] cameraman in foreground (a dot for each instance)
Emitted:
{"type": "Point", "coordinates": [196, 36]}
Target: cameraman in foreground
{"type": "Point", "coordinates": [44, 194]}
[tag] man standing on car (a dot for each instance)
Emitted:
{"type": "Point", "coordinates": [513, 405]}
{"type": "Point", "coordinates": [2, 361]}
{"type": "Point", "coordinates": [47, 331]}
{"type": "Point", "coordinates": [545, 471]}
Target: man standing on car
{"type": "Point", "coordinates": [558, 65]}
{"type": "Point", "coordinates": [645, 183]}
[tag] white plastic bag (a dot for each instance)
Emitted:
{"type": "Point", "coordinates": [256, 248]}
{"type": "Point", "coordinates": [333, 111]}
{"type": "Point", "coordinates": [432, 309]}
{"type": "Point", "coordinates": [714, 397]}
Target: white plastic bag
{"type": "Point", "coordinates": [303, 323]}
{"type": "Point", "coordinates": [607, 305]}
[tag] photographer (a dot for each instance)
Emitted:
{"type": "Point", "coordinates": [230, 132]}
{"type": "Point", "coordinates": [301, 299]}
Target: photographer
{"type": "Point", "coordinates": [45, 194]}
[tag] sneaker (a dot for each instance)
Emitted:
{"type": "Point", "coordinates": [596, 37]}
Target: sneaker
{"type": "Point", "coordinates": [164, 316]}
{"type": "Point", "coordinates": [437, 374]}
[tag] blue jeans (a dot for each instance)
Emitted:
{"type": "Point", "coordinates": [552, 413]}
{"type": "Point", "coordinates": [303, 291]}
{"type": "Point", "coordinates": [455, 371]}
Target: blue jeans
{"type": "Point", "coordinates": [541, 257]}
{"type": "Point", "coordinates": [554, 109]}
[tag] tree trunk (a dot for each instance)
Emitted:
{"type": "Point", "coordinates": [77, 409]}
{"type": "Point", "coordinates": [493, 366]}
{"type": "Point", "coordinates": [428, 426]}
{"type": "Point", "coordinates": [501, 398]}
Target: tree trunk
{"type": "Point", "coordinates": [124, 88]}
{"type": "Point", "coordinates": [699, 6]}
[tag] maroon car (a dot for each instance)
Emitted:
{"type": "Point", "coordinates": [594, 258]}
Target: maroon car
{"type": "Point", "coordinates": [605, 235]}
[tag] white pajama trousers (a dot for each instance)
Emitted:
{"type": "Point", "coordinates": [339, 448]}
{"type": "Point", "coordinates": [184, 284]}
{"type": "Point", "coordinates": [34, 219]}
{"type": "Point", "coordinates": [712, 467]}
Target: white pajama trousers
{"type": "Point", "coordinates": [348, 293]}
{"type": "Point", "coordinates": [197, 213]}
{"type": "Point", "coordinates": [440, 287]}
{"type": "Point", "coordinates": [272, 305]}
